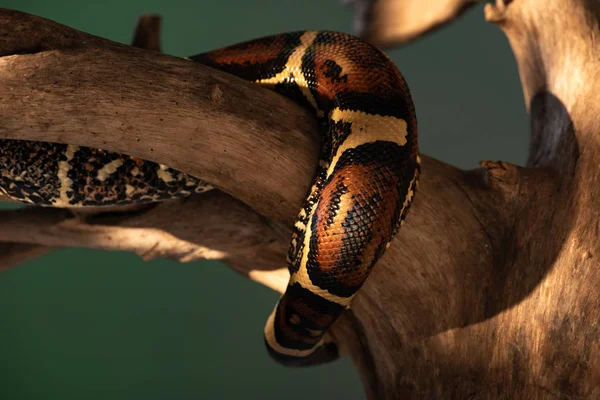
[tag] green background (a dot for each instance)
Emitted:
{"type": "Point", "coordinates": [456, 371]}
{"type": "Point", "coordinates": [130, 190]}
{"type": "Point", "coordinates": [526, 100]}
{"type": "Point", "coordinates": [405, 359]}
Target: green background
{"type": "Point", "coordinates": [82, 324]}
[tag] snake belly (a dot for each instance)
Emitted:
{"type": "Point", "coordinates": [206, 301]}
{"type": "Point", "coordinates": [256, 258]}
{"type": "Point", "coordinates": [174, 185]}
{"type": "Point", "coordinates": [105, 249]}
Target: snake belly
{"type": "Point", "coordinates": [364, 184]}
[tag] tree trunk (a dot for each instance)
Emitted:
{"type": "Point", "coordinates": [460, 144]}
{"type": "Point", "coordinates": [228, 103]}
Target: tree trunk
{"type": "Point", "coordinates": [490, 290]}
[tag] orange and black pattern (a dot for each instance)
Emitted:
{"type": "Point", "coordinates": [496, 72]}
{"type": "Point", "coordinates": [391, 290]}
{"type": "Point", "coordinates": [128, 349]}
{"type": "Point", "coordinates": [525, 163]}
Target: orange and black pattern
{"type": "Point", "coordinates": [364, 185]}
{"type": "Point", "coordinates": [363, 188]}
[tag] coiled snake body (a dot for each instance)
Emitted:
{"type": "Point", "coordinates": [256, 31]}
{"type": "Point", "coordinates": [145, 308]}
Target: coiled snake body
{"type": "Point", "coordinates": [362, 191]}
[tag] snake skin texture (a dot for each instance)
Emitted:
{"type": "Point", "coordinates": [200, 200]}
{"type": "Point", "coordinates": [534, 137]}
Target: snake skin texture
{"type": "Point", "coordinates": [364, 185]}
{"type": "Point", "coordinates": [60, 175]}
{"type": "Point", "coordinates": [362, 191]}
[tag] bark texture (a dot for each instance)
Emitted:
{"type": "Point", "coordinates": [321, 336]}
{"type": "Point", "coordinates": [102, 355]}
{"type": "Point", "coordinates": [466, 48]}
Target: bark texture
{"type": "Point", "coordinates": [387, 23]}
{"type": "Point", "coordinates": [490, 290]}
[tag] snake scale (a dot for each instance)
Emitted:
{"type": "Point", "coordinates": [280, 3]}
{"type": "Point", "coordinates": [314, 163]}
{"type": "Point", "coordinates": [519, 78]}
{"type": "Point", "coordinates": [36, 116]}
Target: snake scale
{"type": "Point", "coordinates": [364, 184]}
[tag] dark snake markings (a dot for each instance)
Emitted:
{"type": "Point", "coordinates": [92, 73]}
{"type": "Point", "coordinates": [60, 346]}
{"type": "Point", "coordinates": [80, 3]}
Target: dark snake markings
{"type": "Point", "coordinates": [362, 191]}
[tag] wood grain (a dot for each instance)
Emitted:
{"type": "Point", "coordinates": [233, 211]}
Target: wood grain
{"type": "Point", "coordinates": [389, 23]}
{"type": "Point", "coordinates": [490, 290]}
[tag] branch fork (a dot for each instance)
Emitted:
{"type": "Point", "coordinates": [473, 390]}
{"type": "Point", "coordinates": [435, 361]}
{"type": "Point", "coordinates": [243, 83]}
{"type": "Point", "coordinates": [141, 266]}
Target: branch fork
{"type": "Point", "coordinates": [478, 295]}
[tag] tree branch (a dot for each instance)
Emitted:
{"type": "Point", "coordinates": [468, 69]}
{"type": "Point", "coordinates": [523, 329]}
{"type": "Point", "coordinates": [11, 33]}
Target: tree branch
{"type": "Point", "coordinates": [147, 36]}
{"type": "Point", "coordinates": [103, 94]}
{"type": "Point", "coordinates": [490, 289]}
{"type": "Point", "coordinates": [83, 106]}
{"type": "Point", "coordinates": [17, 253]}
{"type": "Point", "coordinates": [147, 33]}
{"type": "Point", "coordinates": [388, 23]}
{"type": "Point", "coordinates": [211, 226]}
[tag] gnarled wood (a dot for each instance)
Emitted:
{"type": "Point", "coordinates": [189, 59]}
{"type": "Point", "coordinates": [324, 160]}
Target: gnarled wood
{"type": "Point", "coordinates": [103, 94]}
{"type": "Point", "coordinates": [491, 288]}
{"type": "Point", "coordinates": [388, 23]}
{"type": "Point", "coordinates": [147, 33]}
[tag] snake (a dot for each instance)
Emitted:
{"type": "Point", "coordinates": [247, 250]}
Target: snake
{"type": "Point", "coordinates": [363, 186]}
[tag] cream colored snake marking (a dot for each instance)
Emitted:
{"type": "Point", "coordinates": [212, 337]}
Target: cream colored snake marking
{"type": "Point", "coordinates": [362, 191]}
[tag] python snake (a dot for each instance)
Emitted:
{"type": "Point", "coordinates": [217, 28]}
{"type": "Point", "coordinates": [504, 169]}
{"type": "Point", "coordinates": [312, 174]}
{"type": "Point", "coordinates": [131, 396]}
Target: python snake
{"type": "Point", "coordinates": [364, 185]}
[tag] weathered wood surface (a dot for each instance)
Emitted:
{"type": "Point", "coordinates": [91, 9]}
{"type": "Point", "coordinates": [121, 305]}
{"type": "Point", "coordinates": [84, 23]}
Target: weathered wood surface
{"type": "Point", "coordinates": [492, 287]}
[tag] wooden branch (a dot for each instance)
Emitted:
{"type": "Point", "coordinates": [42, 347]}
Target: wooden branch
{"type": "Point", "coordinates": [147, 33]}
{"type": "Point", "coordinates": [388, 23]}
{"type": "Point", "coordinates": [147, 36]}
{"type": "Point", "coordinates": [490, 290]}
{"type": "Point", "coordinates": [210, 226]}
{"type": "Point", "coordinates": [558, 67]}
{"type": "Point", "coordinates": [103, 94]}
{"type": "Point", "coordinates": [17, 253]}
